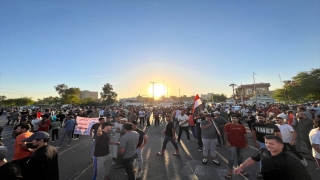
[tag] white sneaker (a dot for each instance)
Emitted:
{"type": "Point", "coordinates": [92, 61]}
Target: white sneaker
{"type": "Point", "coordinates": [304, 162]}
{"type": "Point", "coordinates": [139, 174]}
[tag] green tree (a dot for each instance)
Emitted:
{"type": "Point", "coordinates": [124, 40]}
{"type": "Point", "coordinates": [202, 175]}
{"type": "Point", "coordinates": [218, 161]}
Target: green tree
{"type": "Point", "coordinates": [25, 101]}
{"type": "Point", "coordinates": [219, 97]}
{"type": "Point", "coordinates": [68, 95]}
{"type": "Point", "coordinates": [305, 86]}
{"type": "Point", "coordinates": [61, 89]}
{"type": "Point", "coordinates": [108, 96]}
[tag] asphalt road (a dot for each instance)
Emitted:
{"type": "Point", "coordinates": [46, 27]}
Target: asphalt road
{"type": "Point", "coordinates": [74, 161]}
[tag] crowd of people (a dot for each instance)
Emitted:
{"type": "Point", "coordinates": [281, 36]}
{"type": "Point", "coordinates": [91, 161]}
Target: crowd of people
{"type": "Point", "coordinates": [278, 133]}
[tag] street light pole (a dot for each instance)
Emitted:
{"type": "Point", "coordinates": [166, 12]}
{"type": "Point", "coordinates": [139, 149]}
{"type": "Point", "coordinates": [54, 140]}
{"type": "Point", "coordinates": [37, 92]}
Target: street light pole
{"type": "Point", "coordinates": [254, 86]}
{"type": "Point", "coordinates": [153, 90]}
{"type": "Point", "coordinates": [233, 85]}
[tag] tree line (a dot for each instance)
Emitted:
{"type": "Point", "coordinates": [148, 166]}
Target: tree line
{"type": "Point", "coordinates": [67, 95]}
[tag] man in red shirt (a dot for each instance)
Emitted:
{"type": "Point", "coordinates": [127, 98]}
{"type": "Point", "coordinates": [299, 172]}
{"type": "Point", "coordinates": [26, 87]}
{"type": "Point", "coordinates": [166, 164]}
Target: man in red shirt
{"type": "Point", "coordinates": [274, 110]}
{"type": "Point", "coordinates": [45, 123]}
{"type": "Point", "coordinates": [237, 142]}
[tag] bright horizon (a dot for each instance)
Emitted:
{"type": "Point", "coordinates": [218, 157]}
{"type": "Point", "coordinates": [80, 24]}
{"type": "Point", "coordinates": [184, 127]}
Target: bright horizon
{"type": "Point", "coordinates": [197, 47]}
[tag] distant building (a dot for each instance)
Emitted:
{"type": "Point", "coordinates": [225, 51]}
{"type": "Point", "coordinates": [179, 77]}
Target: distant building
{"type": "Point", "coordinates": [261, 88]}
{"type": "Point", "coordinates": [207, 96]}
{"type": "Point", "coordinates": [89, 94]}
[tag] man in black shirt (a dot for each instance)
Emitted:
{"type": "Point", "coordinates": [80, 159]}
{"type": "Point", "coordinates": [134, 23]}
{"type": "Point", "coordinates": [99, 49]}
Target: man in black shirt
{"type": "Point", "coordinates": [94, 130]}
{"type": "Point", "coordinates": [102, 157]}
{"type": "Point", "coordinates": [262, 128]}
{"type": "Point", "coordinates": [143, 139]}
{"type": "Point", "coordinates": [169, 133]}
{"type": "Point", "coordinates": [43, 164]}
{"type": "Point", "coordinates": [276, 163]}
{"type": "Point", "coordinates": [250, 120]}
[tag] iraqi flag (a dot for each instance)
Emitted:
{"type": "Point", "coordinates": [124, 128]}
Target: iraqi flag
{"type": "Point", "coordinates": [197, 106]}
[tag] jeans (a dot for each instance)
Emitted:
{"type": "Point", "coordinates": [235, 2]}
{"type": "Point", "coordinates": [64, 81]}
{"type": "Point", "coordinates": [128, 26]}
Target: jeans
{"type": "Point", "coordinates": [233, 152]}
{"type": "Point", "coordinates": [128, 166]}
{"type": "Point", "coordinates": [200, 144]}
{"type": "Point", "coordinates": [262, 145]}
{"type": "Point", "coordinates": [156, 121]}
{"type": "Point", "coordinates": [93, 146]}
{"type": "Point", "coordinates": [139, 159]}
{"type": "Point", "coordinates": [148, 121]}
{"type": "Point", "coordinates": [186, 129]}
{"type": "Point", "coordinates": [142, 120]}
{"type": "Point", "coordinates": [209, 145]}
{"type": "Point", "coordinates": [102, 166]}
{"type": "Point", "coordinates": [55, 133]}
{"type": "Point", "coordinates": [166, 140]}
{"type": "Point", "coordinates": [194, 131]}
{"type": "Point", "coordinates": [69, 133]}
{"type": "Point", "coordinates": [175, 123]}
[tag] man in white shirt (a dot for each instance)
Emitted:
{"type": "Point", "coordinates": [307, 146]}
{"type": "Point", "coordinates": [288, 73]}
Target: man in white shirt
{"type": "Point", "coordinates": [183, 120]}
{"type": "Point", "coordinates": [101, 112]}
{"type": "Point", "coordinates": [142, 114]}
{"type": "Point", "coordinates": [35, 122]}
{"type": "Point", "coordinates": [288, 138]}
{"type": "Point", "coordinates": [314, 136]}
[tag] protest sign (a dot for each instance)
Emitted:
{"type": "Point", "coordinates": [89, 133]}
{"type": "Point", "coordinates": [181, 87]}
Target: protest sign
{"type": "Point", "coordinates": [84, 125]}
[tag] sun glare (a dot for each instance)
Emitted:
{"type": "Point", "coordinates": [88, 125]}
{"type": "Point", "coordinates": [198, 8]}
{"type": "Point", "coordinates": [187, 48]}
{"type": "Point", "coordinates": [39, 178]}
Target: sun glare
{"type": "Point", "coordinates": [159, 90]}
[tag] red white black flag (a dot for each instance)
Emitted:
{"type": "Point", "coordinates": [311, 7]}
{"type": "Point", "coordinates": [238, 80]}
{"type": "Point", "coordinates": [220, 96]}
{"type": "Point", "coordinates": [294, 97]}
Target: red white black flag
{"type": "Point", "coordinates": [197, 106]}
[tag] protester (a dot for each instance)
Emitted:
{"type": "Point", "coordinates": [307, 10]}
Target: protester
{"type": "Point", "coordinates": [276, 163]}
{"type": "Point", "coordinates": [209, 134]}
{"type": "Point", "coordinates": [55, 124]}
{"type": "Point", "coordinates": [94, 130]}
{"type": "Point", "coordinates": [305, 125]}
{"type": "Point", "coordinates": [193, 128]}
{"type": "Point", "coordinates": [237, 142]}
{"type": "Point", "coordinates": [288, 137]}
{"type": "Point", "coordinates": [141, 116]}
{"type": "Point", "coordinates": [35, 122]}
{"type": "Point", "coordinates": [314, 137]}
{"type": "Point", "coordinates": [69, 124]}
{"type": "Point", "coordinates": [199, 119]}
{"type": "Point", "coordinates": [170, 135]}
{"type": "Point", "coordinates": [21, 151]}
{"type": "Point", "coordinates": [220, 122]}
{"type": "Point", "coordinates": [45, 123]}
{"type": "Point", "coordinates": [183, 120]}
{"type": "Point", "coordinates": [128, 145]}
{"type": "Point", "coordinates": [8, 170]}
{"type": "Point", "coordinates": [43, 164]}
{"type": "Point", "coordinates": [143, 139]}
{"type": "Point", "coordinates": [102, 157]}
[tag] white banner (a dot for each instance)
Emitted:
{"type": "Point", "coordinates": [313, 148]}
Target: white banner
{"type": "Point", "coordinates": [84, 125]}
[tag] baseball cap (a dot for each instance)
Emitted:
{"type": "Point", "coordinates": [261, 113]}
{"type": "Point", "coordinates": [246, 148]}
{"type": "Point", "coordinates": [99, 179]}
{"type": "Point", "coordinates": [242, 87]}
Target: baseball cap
{"type": "Point", "coordinates": [283, 116]}
{"type": "Point", "coordinates": [37, 135]}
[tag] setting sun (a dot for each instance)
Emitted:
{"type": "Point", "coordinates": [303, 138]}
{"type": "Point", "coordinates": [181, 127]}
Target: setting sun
{"type": "Point", "coordinates": [159, 90]}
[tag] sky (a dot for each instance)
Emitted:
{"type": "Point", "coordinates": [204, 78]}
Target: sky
{"type": "Point", "coordinates": [195, 46]}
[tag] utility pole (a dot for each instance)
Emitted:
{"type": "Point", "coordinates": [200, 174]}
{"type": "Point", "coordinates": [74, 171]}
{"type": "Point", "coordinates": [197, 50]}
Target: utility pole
{"type": "Point", "coordinates": [167, 92]}
{"type": "Point", "coordinates": [241, 94]}
{"type": "Point", "coordinates": [153, 90]}
{"type": "Point", "coordinates": [280, 80]}
{"type": "Point", "coordinates": [254, 86]}
{"type": "Point", "coordinates": [233, 85]}
{"type": "Point", "coordinates": [180, 96]}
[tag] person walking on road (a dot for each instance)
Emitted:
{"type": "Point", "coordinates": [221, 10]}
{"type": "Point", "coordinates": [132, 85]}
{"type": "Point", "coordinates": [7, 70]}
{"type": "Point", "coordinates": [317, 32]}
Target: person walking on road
{"type": "Point", "coordinates": [170, 135]}
{"type": "Point", "coordinates": [183, 120]}
{"type": "Point", "coordinates": [102, 158]}
{"type": "Point", "coordinates": [143, 139]}
{"type": "Point", "coordinates": [128, 145]}
{"type": "Point", "coordinates": [314, 136]}
{"type": "Point", "coordinates": [237, 143]}
{"type": "Point", "coordinates": [209, 134]}
{"type": "Point", "coordinates": [94, 130]}
{"type": "Point", "coordinates": [288, 138]}
{"type": "Point", "coordinates": [69, 124]}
